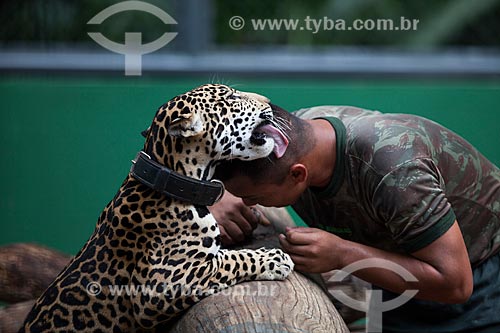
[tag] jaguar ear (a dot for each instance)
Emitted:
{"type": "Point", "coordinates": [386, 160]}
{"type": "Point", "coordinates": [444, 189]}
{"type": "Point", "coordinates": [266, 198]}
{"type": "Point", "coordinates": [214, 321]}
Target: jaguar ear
{"type": "Point", "coordinates": [186, 126]}
{"type": "Point", "coordinates": [146, 132]}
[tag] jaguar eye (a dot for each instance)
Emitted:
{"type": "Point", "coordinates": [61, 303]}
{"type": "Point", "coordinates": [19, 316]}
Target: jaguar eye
{"type": "Point", "coordinates": [234, 96]}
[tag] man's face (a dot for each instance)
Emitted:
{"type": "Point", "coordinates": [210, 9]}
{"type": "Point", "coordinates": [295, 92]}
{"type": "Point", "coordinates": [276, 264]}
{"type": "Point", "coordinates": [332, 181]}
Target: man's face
{"type": "Point", "coordinates": [267, 194]}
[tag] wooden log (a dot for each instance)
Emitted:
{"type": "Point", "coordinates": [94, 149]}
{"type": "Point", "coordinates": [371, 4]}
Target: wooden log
{"type": "Point", "coordinates": [12, 317]}
{"type": "Point", "coordinates": [26, 270]}
{"type": "Point", "coordinates": [294, 305]}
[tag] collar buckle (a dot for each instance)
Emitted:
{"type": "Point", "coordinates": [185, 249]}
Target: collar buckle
{"type": "Point", "coordinates": [222, 191]}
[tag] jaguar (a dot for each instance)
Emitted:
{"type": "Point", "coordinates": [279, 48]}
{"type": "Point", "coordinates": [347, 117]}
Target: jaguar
{"type": "Point", "coordinates": [156, 248]}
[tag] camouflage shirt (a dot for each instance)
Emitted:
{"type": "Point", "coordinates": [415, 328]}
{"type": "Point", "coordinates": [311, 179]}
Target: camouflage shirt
{"type": "Point", "coordinates": [400, 181]}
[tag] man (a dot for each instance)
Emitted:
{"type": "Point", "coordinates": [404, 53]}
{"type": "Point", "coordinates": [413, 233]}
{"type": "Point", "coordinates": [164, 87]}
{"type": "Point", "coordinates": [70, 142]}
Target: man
{"type": "Point", "coordinates": [391, 186]}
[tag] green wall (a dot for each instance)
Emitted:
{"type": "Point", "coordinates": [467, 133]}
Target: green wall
{"type": "Point", "coordinates": [67, 142]}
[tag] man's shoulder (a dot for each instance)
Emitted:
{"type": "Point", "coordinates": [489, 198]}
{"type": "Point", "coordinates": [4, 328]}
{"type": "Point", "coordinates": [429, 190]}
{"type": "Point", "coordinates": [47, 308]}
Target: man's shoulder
{"type": "Point", "coordinates": [365, 122]}
{"type": "Point", "coordinates": [381, 141]}
{"type": "Point", "coordinates": [353, 114]}
{"type": "Point", "coordinates": [343, 112]}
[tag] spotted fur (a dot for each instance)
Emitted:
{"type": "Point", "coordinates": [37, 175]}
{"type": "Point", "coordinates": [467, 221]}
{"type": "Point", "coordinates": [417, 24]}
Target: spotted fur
{"type": "Point", "coordinates": [167, 248]}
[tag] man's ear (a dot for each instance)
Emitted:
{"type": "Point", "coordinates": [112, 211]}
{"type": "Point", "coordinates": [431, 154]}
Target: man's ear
{"type": "Point", "coordinates": [186, 126]}
{"type": "Point", "coordinates": [298, 173]}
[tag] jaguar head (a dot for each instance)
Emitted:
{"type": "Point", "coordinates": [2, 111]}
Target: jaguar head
{"type": "Point", "coordinates": [211, 123]}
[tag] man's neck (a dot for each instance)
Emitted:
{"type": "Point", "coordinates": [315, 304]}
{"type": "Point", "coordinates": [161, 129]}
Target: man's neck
{"type": "Point", "coordinates": [321, 160]}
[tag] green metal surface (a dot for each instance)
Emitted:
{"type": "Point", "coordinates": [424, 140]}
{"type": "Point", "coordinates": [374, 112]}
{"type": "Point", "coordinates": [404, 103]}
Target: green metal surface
{"type": "Point", "coordinates": [67, 142]}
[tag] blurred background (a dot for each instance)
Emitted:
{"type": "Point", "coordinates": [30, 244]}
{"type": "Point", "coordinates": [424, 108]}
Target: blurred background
{"type": "Point", "coordinates": [71, 119]}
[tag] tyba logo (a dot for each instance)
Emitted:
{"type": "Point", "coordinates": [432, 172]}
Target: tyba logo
{"type": "Point", "coordinates": [376, 304]}
{"type": "Point", "coordinates": [133, 49]}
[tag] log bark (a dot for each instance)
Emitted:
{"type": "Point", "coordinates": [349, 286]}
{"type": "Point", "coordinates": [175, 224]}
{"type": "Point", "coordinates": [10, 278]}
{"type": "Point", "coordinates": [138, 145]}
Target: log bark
{"type": "Point", "coordinates": [12, 317]}
{"type": "Point", "coordinates": [294, 305]}
{"type": "Point", "coordinates": [26, 270]}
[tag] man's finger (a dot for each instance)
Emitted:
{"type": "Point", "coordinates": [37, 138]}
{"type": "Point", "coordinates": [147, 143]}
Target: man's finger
{"type": "Point", "coordinates": [243, 224]}
{"type": "Point", "coordinates": [225, 238]}
{"type": "Point", "coordinates": [299, 260]}
{"type": "Point", "coordinates": [254, 216]}
{"type": "Point", "coordinates": [287, 247]}
{"type": "Point", "coordinates": [303, 230]}
{"type": "Point", "coordinates": [249, 215]}
{"type": "Point", "coordinates": [301, 263]}
{"type": "Point", "coordinates": [302, 268]}
{"type": "Point", "coordinates": [293, 251]}
{"type": "Point", "coordinates": [260, 217]}
{"type": "Point", "coordinates": [290, 248]}
{"type": "Point", "coordinates": [297, 237]}
{"type": "Point", "coordinates": [263, 218]}
{"type": "Point", "coordinates": [235, 232]}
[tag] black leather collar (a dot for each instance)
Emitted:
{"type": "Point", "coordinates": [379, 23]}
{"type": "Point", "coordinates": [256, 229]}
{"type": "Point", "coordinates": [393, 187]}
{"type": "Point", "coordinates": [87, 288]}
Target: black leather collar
{"type": "Point", "coordinates": [173, 184]}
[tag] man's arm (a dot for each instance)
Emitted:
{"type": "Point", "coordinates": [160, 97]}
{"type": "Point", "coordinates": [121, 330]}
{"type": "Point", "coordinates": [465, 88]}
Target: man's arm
{"type": "Point", "coordinates": [442, 268]}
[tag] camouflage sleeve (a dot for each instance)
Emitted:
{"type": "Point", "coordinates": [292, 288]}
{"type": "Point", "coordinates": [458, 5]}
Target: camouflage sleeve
{"type": "Point", "coordinates": [411, 202]}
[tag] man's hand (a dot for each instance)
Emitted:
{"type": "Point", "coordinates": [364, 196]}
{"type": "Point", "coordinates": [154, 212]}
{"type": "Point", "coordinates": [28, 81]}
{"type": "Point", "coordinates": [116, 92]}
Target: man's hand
{"type": "Point", "coordinates": [312, 250]}
{"type": "Point", "coordinates": [442, 268]}
{"type": "Point", "coordinates": [236, 220]}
